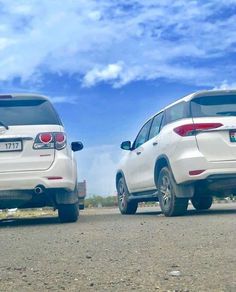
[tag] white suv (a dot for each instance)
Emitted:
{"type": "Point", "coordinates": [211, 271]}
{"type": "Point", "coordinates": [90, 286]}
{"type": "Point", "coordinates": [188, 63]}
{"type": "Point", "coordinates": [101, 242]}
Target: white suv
{"type": "Point", "coordinates": [37, 166]}
{"type": "Point", "coordinates": [186, 151]}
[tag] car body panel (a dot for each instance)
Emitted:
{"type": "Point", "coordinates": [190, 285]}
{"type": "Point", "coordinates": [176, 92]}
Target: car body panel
{"type": "Point", "coordinates": [21, 172]}
{"type": "Point", "coordinates": [29, 159]}
{"type": "Point", "coordinates": [215, 145]}
{"type": "Point", "coordinates": [210, 152]}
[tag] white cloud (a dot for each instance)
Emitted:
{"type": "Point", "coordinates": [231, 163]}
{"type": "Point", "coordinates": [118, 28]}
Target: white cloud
{"type": "Point", "coordinates": [111, 72]}
{"type": "Point", "coordinates": [63, 99]}
{"type": "Point", "coordinates": [98, 166]}
{"type": "Point", "coordinates": [118, 41]}
{"type": "Point", "coordinates": [21, 9]}
{"type": "Point", "coordinates": [94, 15]}
{"type": "Point", "coordinates": [5, 42]}
{"type": "Point", "coordinates": [225, 85]}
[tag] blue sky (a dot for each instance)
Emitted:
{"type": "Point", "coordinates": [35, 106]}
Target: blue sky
{"type": "Point", "coordinates": [108, 65]}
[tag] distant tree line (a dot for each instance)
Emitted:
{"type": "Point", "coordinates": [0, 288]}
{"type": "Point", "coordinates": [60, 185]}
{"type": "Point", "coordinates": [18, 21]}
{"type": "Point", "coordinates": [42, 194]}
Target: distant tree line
{"type": "Point", "coordinates": [111, 201]}
{"type": "Point", "coordinates": [99, 201]}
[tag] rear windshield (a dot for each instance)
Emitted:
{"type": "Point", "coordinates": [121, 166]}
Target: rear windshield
{"type": "Point", "coordinates": [28, 112]}
{"type": "Point", "coordinates": [214, 106]}
{"type": "Point", "coordinates": [176, 112]}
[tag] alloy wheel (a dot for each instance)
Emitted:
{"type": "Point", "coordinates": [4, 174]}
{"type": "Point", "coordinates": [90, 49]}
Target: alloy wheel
{"type": "Point", "coordinates": [165, 189]}
{"type": "Point", "coordinates": [122, 195]}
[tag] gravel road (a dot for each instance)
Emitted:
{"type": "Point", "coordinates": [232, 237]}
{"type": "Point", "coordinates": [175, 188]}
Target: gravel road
{"type": "Point", "coordinates": [105, 251]}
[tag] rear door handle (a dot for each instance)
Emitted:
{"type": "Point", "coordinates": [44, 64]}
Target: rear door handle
{"type": "Point", "coordinates": [138, 152]}
{"type": "Point", "coordinates": [154, 143]}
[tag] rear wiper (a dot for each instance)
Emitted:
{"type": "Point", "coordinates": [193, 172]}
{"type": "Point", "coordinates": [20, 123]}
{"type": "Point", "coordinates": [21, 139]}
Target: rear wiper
{"type": "Point", "coordinates": [4, 125]}
{"type": "Point", "coordinates": [227, 113]}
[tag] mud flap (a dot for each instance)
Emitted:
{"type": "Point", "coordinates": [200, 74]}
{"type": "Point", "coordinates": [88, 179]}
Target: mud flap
{"type": "Point", "coordinates": [64, 197]}
{"type": "Point", "coordinates": [184, 191]}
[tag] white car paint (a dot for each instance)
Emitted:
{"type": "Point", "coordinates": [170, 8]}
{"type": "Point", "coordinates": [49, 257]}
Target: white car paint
{"type": "Point", "coordinates": [51, 169]}
{"type": "Point", "coordinates": [209, 150]}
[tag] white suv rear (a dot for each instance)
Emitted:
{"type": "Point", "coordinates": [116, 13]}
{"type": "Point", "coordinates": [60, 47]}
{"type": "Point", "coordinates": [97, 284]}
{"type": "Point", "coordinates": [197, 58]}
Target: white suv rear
{"type": "Point", "coordinates": [186, 151]}
{"type": "Point", "coordinates": [37, 166]}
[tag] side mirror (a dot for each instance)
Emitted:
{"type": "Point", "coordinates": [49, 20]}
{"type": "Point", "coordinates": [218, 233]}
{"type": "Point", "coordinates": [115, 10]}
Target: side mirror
{"type": "Point", "coordinates": [126, 145]}
{"type": "Point", "coordinates": [77, 146]}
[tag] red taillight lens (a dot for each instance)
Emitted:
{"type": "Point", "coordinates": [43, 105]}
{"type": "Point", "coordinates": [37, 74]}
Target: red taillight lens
{"type": "Point", "coordinates": [60, 140]}
{"type": "Point", "coordinates": [45, 138]}
{"type": "Point", "coordinates": [60, 137]}
{"type": "Point", "coordinates": [190, 129]}
{"type": "Point", "coordinates": [54, 140]}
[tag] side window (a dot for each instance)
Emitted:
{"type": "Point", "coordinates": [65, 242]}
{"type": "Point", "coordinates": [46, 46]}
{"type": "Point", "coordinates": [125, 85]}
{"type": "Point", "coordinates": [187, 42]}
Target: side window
{"type": "Point", "coordinates": [176, 112]}
{"type": "Point", "coordinates": [156, 124]}
{"type": "Point", "coordinates": [142, 135]}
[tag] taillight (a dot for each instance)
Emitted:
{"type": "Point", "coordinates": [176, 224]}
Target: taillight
{"type": "Point", "coordinates": [191, 129]}
{"type": "Point", "coordinates": [54, 140]}
{"type": "Point", "coordinates": [45, 138]}
{"type": "Point", "coordinates": [60, 137]}
{"type": "Point", "coordinates": [60, 140]}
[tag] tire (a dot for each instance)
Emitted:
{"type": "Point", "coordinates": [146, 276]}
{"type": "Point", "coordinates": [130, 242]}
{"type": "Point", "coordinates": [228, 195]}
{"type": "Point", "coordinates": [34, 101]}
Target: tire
{"type": "Point", "coordinates": [202, 202]}
{"type": "Point", "coordinates": [68, 213]}
{"type": "Point", "coordinates": [169, 203]}
{"type": "Point", "coordinates": [81, 206]}
{"type": "Point", "coordinates": [126, 207]}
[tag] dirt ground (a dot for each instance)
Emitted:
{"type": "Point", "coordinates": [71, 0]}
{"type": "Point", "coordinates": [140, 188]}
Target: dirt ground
{"type": "Point", "coordinates": [105, 251]}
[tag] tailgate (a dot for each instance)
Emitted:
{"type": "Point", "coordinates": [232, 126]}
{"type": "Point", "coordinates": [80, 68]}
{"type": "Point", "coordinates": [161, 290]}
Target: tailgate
{"type": "Point", "coordinates": [16, 149]}
{"type": "Point", "coordinates": [219, 143]}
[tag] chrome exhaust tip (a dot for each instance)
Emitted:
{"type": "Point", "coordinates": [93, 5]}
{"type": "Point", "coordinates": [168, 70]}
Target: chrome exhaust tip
{"type": "Point", "coordinates": [38, 190]}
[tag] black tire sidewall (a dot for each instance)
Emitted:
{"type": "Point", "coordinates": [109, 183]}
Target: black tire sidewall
{"type": "Point", "coordinates": [177, 206]}
{"type": "Point", "coordinates": [166, 210]}
{"type": "Point", "coordinates": [130, 206]}
{"type": "Point", "coordinates": [202, 202]}
{"type": "Point", "coordinates": [68, 213]}
{"type": "Point", "coordinates": [122, 209]}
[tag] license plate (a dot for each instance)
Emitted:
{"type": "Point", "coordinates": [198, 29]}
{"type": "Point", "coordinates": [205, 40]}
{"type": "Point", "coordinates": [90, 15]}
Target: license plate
{"type": "Point", "coordinates": [10, 146]}
{"type": "Point", "coordinates": [232, 135]}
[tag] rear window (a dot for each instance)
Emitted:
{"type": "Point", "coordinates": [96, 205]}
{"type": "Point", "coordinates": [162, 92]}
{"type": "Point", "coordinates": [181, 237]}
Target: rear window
{"type": "Point", "coordinates": [176, 112]}
{"type": "Point", "coordinates": [28, 112]}
{"type": "Point", "coordinates": [214, 106]}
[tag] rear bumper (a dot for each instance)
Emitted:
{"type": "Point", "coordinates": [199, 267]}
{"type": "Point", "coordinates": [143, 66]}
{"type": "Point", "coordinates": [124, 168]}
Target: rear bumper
{"type": "Point", "coordinates": [30, 199]}
{"type": "Point", "coordinates": [62, 174]}
{"type": "Point", "coordinates": [212, 171]}
{"type": "Point", "coordinates": [221, 184]}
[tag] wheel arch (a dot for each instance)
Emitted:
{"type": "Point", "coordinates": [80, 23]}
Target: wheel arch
{"type": "Point", "coordinates": [181, 190]}
{"type": "Point", "coordinates": [161, 161]}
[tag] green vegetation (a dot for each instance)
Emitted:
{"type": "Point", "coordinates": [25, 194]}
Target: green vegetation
{"type": "Point", "coordinates": [98, 201]}
{"type": "Point", "coordinates": [111, 201]}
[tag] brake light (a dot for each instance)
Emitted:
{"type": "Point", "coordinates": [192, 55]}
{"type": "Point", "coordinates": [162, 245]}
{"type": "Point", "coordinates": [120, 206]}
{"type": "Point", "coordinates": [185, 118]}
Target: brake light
{"type": "Point", "coordinates": [60, 137]}
{"type": "Point", "coordinates": [60, 141]}
{"type": "Point", "coordinates": [191, 129]}
{"type": "Point", "coordinates": [45, 138]}
{"type": "Point", "coordinates": [54, 140]}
